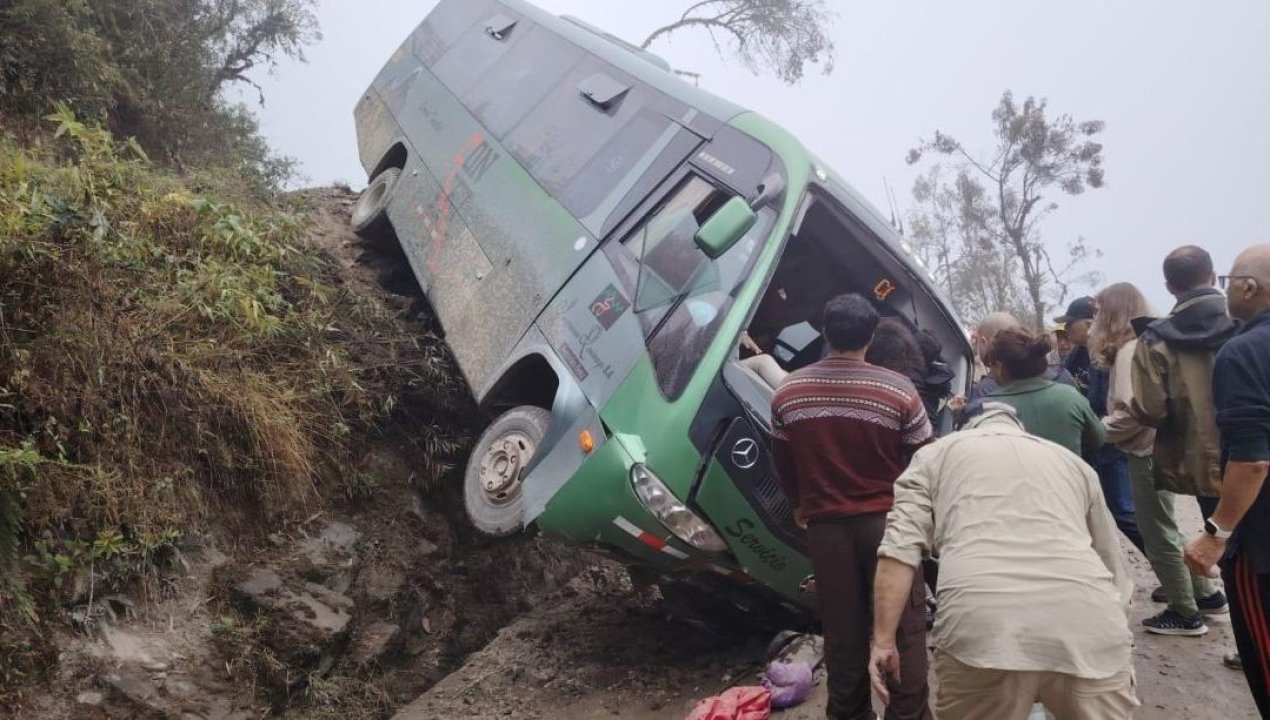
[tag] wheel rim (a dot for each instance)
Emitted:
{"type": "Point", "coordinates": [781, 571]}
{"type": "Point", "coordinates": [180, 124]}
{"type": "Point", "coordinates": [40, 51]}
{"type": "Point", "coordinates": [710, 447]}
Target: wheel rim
{"type": "Point", "coordinates": [502, 467]}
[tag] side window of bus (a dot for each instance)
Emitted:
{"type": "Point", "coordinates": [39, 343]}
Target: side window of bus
{"type": "Point", "coordinates": [520, 80]}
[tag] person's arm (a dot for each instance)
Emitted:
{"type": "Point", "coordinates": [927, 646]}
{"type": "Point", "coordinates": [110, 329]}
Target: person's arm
{"type": "Point", "coordinates": [1120, 422]}
{"type": "Point", "coordinates": [1150, 401]}
{"type": "Point", "coordinates": [910, 528]}
{"type": "Point", "coordinates": [1243, 418]}
{"type": "Point", "coordinates": [783, 462]}
{"type": "Point", "coordinates": [1093, 434]}
{"type": "Point", "coordinates": [1105, 537]}
{"type": "Point", "coordinates": [892, 587]}
{"type": "Point", "coordinates": [916, 430]}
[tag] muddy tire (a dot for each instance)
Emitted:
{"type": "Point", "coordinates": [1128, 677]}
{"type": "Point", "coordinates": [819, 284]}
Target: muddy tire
{"type": "Point", "coordinates": [492, 490]}
{"type": "Point", "coordinates": [370, 214]}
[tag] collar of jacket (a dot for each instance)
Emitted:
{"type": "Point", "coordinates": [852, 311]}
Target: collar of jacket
{"type": "Point", "coordinates": [1261, 318]}
{"type": "Point", "coordinates": [1194, 297]}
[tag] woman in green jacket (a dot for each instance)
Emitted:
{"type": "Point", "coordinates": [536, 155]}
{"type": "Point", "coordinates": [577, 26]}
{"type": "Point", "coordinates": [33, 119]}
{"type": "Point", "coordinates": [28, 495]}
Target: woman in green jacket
{"type": "Point", "coordinates": [1056, 412]}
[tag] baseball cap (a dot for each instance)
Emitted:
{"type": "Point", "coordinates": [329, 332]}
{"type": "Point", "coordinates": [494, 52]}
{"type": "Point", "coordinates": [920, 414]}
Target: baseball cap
{"type": "Point", "coordinates": [1081, 309]}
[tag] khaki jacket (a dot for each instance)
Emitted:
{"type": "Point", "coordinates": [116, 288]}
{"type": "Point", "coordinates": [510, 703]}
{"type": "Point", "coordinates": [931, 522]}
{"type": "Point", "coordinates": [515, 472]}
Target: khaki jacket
{"type": "Point", "coordinates": [1173, 393]}
{"type": "Point", "coordinates": [1032, 577]}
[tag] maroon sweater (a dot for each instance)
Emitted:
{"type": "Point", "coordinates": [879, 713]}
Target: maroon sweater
{"type": "Point", "coordinates": [843, 431]}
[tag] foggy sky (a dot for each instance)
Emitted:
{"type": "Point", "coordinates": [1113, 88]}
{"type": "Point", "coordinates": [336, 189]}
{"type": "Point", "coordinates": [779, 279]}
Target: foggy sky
{"type": "Point", "coordinates": [1184, 89]}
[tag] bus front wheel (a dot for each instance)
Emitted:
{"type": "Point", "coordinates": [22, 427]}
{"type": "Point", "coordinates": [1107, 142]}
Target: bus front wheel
{"type": "Point", "coordinates": [493, 491]}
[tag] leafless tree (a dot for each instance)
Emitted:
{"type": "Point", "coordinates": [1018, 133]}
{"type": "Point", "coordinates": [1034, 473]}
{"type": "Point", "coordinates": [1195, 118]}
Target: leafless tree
{"type": "Point", "coordinates": [1003, 197]}
{"type": "Point", "coordinates": [781, 36]}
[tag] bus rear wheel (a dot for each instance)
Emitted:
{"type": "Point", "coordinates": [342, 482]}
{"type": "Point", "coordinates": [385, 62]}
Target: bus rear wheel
{"type": "Point", "coordinates": [370, 214]}
{"type": "Point", "coordinates": [493, 484]}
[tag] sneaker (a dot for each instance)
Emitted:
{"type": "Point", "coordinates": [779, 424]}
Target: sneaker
{"type": "Point", "coordinates": [1158, 595]}
{"type": "Point", "coordinates": [1233, 661]}
{"type": "Point", "coordinates": [1214, 604]}
{"type": "Point", "coordinates": [1171, 623]}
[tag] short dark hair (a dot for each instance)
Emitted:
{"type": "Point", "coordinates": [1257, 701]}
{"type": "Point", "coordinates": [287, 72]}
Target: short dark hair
{"type": "Point", "coordinates": [1022, 354]}
{"type": "Point", "coordinates": [895, 348]}
{"type": "Point", "coordinates": [1187, 268]}
{"type": "Point", "coordinates": [850, 321]}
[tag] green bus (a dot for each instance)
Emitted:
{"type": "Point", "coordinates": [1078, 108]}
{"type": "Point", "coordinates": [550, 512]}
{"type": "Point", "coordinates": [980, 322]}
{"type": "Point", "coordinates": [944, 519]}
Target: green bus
{"type": "Point", "coordinates": [600, 241]}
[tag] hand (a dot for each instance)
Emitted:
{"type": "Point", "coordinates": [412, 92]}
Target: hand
{"type": "Point", "coordinates": [957, 403]}
{"type": "Point", "coordinates": [884, 666]}
{"type": "Point", "coordinates": [1202, 554]}
{"type": "Point", "coordinates": [748, 343]}
{"type": "Point", "coordinates": [799, 520]}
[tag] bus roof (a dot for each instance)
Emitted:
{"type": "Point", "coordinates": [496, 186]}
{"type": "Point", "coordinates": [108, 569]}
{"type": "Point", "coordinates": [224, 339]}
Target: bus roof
{"type": "Point", "coordinates": [638, 63]}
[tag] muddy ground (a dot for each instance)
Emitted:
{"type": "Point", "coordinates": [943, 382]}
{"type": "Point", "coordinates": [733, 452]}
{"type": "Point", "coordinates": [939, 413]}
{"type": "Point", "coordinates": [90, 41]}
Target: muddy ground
{"type": "Point", "coordinates": [389, 606]}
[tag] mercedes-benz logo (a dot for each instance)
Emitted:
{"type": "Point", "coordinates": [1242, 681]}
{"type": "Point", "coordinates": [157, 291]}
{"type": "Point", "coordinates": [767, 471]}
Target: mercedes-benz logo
{"type": "Point", "coordinates": [745, 453]}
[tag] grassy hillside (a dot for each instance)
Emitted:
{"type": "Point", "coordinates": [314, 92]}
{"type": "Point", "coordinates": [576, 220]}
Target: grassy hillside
{"type": "Point", "coordinates": [173, 357]}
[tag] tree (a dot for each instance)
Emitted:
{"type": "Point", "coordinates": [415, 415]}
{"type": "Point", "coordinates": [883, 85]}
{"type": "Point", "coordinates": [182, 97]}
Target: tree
{"type": "Point", "coordinates": [946, 231]}
{"type": "Point", "coordinates": [1003, 198]}
{"type": "Point", "coordinates": [781, 36]}
{"type": "Point", "coordinates": [155, 70]}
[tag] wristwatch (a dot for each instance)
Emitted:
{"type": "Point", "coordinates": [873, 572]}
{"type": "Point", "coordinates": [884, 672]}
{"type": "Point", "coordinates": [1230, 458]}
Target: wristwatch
{"type": "Point", "coordinates": [1211, 528]}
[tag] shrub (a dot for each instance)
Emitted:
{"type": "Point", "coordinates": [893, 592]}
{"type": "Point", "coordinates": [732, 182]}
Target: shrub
{"type": "Point", "coordinates": [168, 356]}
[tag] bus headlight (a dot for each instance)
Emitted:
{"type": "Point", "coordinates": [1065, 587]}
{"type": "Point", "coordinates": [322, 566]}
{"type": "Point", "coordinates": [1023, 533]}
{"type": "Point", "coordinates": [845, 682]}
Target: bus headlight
{"type": "Point", "coordinates": [672, 513]}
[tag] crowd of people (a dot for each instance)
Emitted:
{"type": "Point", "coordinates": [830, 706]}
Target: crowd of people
{"type": "Point", "coordinates": [1070, 437]}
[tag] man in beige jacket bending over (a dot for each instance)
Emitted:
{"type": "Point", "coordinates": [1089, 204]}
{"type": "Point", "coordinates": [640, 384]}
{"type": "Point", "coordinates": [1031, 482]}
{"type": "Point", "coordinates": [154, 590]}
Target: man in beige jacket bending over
{"type": "Point", "coordinates": [1032, 585]}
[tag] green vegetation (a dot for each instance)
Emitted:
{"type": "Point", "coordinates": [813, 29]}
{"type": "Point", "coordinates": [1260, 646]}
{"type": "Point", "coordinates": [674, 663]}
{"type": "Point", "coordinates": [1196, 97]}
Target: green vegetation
{"type": "Point", "coordinates": [173, 358]}
{"type": "Point", "coordinates": [154, 70]}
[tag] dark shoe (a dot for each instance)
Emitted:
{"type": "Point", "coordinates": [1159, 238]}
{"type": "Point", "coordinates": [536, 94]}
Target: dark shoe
{"type": "Point", "coordinates": [1171, 623]}
{"type": "Point", "coordinates": [1233, 661]}
{"type": "Point", "coordinates": [1214, 604]}
{"type": "Point", "coordinates": [1158, 595]}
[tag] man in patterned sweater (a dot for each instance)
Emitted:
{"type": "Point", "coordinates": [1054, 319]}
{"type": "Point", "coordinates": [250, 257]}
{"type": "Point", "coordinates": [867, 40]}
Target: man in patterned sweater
{"type": "Point", "coordinates": [843, 431]}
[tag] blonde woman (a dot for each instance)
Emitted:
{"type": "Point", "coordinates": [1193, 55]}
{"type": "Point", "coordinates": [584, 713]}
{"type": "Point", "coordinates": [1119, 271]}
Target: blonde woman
{"type": "Point", "coordinates": [1111, 346]}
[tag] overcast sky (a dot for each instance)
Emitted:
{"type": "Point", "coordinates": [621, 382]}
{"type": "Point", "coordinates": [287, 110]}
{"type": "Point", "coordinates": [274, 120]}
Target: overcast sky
{"type": "Point", "coordinates": [1184, 88]}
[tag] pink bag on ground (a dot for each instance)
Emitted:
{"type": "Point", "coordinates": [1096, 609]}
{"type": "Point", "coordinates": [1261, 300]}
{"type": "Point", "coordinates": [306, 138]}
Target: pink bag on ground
{"type": "Point", "coordinates": [740, 703]}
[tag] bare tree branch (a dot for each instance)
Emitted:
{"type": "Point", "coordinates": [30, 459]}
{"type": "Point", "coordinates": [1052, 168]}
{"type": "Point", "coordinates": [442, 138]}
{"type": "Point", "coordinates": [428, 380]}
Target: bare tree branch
{"type": "Point", "coordinates": [777, 36]}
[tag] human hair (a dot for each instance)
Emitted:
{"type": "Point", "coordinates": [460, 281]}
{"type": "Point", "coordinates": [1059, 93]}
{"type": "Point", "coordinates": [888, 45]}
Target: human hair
{"type": "Point", "coordinates": [1187, 268]}
{"type": "Point", "coordinates": [1021, 354]}
{"type": "Point", "coordinates": [895, 348]}
{"type": "Point", "coordinates": [1118, 305]}
{"type": "Point", "coordinates": [850, 321]}
{"type": "Point", "coordinates": [932, 348]}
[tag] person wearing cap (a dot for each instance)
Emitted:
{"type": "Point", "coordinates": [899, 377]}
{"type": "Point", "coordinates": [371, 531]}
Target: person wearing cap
{"type": "Point", "coordinates": [1034, 586]}
{"type": "Point", "coordinates": [1077, 321]}
{"type": "Point", "coordinates": [1172, 375]}
{"type": "Point", "coordinates": [1062, 343]}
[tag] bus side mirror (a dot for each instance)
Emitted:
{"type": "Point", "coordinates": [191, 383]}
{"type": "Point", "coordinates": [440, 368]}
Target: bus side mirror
{"type": "Point", "coordinates": [725, 227]}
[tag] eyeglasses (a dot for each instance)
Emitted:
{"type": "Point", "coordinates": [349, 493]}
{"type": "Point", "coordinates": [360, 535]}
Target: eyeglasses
{"type": "Point", "coordinates": [1224, 281]}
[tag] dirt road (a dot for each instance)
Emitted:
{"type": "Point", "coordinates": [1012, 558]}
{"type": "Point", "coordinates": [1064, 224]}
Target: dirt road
{"type": "Point", "coordinates": [606, 655]}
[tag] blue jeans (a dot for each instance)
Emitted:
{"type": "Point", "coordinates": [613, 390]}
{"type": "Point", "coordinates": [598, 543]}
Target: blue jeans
{"type": "Point", "coordinates": [1112, 466]}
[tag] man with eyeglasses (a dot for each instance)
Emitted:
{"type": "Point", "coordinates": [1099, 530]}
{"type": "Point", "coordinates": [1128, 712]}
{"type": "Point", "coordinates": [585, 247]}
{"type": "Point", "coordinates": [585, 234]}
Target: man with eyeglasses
{"type": "Point", "coordinates": [1238, 530]}
{"type": "Point", "coordinates": [1172, 392]}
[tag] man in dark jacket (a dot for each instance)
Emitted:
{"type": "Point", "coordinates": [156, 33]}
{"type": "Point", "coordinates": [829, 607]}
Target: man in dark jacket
{"type": "Point", "coordinates": [1172, 392]}
{"type": "Point", "coordinates": [1238, 531]}
{"type": "Point", "coordinates": [1077, 321]}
